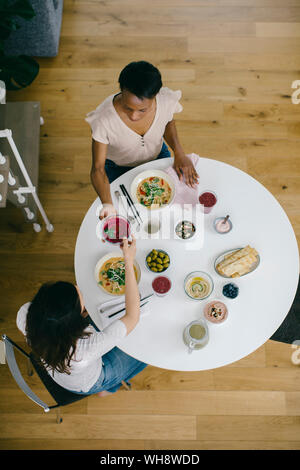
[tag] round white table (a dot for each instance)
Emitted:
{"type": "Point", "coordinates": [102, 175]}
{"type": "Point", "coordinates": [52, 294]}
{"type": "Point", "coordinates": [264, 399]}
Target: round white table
{"type": "Point", "coordinates": [265, 295]}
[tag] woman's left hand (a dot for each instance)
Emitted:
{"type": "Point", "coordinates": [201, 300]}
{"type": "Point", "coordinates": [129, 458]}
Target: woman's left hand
{"type": "Point", "coordinates": [184, 167]}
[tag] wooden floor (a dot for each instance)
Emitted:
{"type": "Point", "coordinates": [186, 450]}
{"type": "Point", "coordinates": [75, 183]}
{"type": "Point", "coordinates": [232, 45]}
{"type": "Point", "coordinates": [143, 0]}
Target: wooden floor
{"type": "Point", "coordinates": [235, 61]}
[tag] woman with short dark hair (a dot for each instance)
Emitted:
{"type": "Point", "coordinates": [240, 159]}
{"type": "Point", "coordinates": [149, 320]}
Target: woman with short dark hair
{"type": "Point", "coordinates": [79, 358]}
{"type": "Point", "coordinates": [129, 128]}
{"type": "Point", "coordinates": [141, 79]}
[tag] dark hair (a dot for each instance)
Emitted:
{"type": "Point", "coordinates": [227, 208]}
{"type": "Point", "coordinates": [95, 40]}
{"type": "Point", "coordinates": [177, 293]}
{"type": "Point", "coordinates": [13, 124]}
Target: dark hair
{"type": "Point", "coordinates": [141, 78]}
{"type": "Point", "coordinates": [54, 324]}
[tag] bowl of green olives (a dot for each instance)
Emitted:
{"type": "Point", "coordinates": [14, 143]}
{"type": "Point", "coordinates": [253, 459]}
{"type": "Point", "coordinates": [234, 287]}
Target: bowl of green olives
{"type": "Point", "coordinates": [157, 261]}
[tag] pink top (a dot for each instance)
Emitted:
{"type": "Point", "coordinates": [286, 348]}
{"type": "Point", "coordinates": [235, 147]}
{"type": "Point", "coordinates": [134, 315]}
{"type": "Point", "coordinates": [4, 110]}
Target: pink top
{"type": "Point", "coordinates": [125, 146]}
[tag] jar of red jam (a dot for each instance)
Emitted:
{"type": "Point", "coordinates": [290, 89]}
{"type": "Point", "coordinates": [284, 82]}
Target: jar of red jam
{"type": "Point", "coordinates": [161, 285]}
{"type": "Point", "coordinates": [208, 199]}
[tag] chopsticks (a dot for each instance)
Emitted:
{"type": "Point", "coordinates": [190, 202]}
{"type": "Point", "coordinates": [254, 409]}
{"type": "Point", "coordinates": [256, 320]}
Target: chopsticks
{"type": "Point", "coordinates": [124, 308]}
{"type": "Point", "coordinates": [131, 203]}
{"type": "Point", "coordinates": [119, 311]}
{"type": "Point", "coordinates": [102, 310]}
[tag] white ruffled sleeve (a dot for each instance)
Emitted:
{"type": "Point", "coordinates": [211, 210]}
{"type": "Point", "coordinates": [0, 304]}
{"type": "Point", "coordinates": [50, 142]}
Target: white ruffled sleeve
{"type": "Point", "coordinates": [171, 102]}
{"type": "Point", "coordinates": [98, 129]}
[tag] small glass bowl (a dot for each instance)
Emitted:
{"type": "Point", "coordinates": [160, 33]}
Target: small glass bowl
{"type": "Point", "coordinates": [154, 226]}
{"type": "Point", "coordinates": [181, 222]}
{"type": "Point", "coordinates": [204, 275]}
{"type": "Point", "coordinates": [217, 220]}
{"type": "Point", "coordinates": [226, 296]}
{"type": "Point", "coordinates": [105, 222]}
{"type": "Point", "coordinates": [211, 318]}
{"type": "Point", "coordinates": [163, 270]}
{"type": "Point", "coordinates": [161, 294]}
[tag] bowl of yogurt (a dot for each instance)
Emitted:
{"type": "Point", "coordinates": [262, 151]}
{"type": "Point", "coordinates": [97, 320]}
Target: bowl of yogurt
{"type": "Point", "coordinates": [222, 225]}
{"type": "Point", "coordinates": [198, 285]}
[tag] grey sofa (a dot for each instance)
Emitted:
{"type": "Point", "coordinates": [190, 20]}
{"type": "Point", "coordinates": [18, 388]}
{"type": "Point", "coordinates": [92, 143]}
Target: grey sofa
{"type": "Point", "coordinates": [39, 36]}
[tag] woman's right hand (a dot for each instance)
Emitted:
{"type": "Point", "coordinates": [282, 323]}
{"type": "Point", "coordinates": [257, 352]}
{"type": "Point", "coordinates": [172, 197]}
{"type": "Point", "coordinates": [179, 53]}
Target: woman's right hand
{"type": "Point", "coordinates": [106, 211]}
{"type": "Point", "coordinates": [129, 249]}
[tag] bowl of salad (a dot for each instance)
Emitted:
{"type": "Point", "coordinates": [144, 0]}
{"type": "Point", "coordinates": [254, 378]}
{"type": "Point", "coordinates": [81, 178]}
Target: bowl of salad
{"type": "Point", "coordinates": [153, 189]}
{"type": "Point", "coordinates": [109, 273]}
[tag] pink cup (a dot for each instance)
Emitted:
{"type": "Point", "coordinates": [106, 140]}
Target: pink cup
{"type": "Point", "coordinates": [208, 199]}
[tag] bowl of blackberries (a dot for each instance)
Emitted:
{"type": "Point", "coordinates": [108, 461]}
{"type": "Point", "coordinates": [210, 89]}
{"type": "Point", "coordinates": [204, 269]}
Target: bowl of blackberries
{"type": "Point", "coordinates": [230, 290]}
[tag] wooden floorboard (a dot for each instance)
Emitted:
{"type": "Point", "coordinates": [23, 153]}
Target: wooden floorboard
{"type": "Point", "coordinates": [234, 62]}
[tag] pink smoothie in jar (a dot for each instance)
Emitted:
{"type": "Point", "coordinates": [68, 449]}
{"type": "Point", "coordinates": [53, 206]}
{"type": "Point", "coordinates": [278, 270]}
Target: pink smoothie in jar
{"type": "Point", "coordinates": [208, 199]}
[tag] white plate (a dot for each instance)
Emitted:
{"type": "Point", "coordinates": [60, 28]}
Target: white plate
{"type": "Point", "coordinates": [221, 257]}
{"type": "Point", "coordinates": [115, 254]}
{"type": "Point", "coordinates": [147, 174]}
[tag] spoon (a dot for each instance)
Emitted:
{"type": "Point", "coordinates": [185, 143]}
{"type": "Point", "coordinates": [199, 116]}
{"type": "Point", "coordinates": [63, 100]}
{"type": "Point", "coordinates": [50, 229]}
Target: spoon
{"type": "Point", "coordinates": [131, 219]}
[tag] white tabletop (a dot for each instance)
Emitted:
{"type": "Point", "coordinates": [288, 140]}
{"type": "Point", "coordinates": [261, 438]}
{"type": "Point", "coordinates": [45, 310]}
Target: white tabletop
{"type": "Point", "coordinates": [265, 295]}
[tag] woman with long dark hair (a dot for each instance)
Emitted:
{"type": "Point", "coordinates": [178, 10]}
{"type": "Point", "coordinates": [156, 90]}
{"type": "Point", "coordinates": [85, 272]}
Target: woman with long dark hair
{"type": "Point", "coordinates": [78, 357]}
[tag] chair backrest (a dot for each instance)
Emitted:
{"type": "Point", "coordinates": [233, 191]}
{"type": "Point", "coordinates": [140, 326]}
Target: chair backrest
{"type": "Point", "coordinates": [61, 395]}
{"type": "Point", "coordinates": [10, 347]}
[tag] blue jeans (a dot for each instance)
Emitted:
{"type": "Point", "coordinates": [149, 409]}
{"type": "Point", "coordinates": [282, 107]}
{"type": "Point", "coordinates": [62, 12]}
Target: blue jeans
{"type": "Point", "coordinates": [116, 366]}
{"type": "Point", "coordinates": [113, 170]}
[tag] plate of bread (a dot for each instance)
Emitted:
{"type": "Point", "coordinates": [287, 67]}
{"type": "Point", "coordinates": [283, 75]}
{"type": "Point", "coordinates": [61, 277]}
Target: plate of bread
{"type": "Point", "coordinates": [237, 262]}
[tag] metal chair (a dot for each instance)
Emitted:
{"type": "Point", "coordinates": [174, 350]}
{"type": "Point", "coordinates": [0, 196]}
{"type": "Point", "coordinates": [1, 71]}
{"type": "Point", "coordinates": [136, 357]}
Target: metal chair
{"type": "Point", "coordinates": [61, 396]}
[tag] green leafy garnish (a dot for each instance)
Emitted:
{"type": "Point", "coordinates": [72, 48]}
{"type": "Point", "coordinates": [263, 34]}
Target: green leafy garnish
{"type": "Point", "coordinates": [152, 191]}
{"type": "Point", "coordinates": [117, 274]}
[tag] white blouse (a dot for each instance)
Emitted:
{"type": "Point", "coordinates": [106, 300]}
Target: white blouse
{"type": "Point", "coordinates": [125, 146]}
{"type": "Point", "coordinates": [86, 364]}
